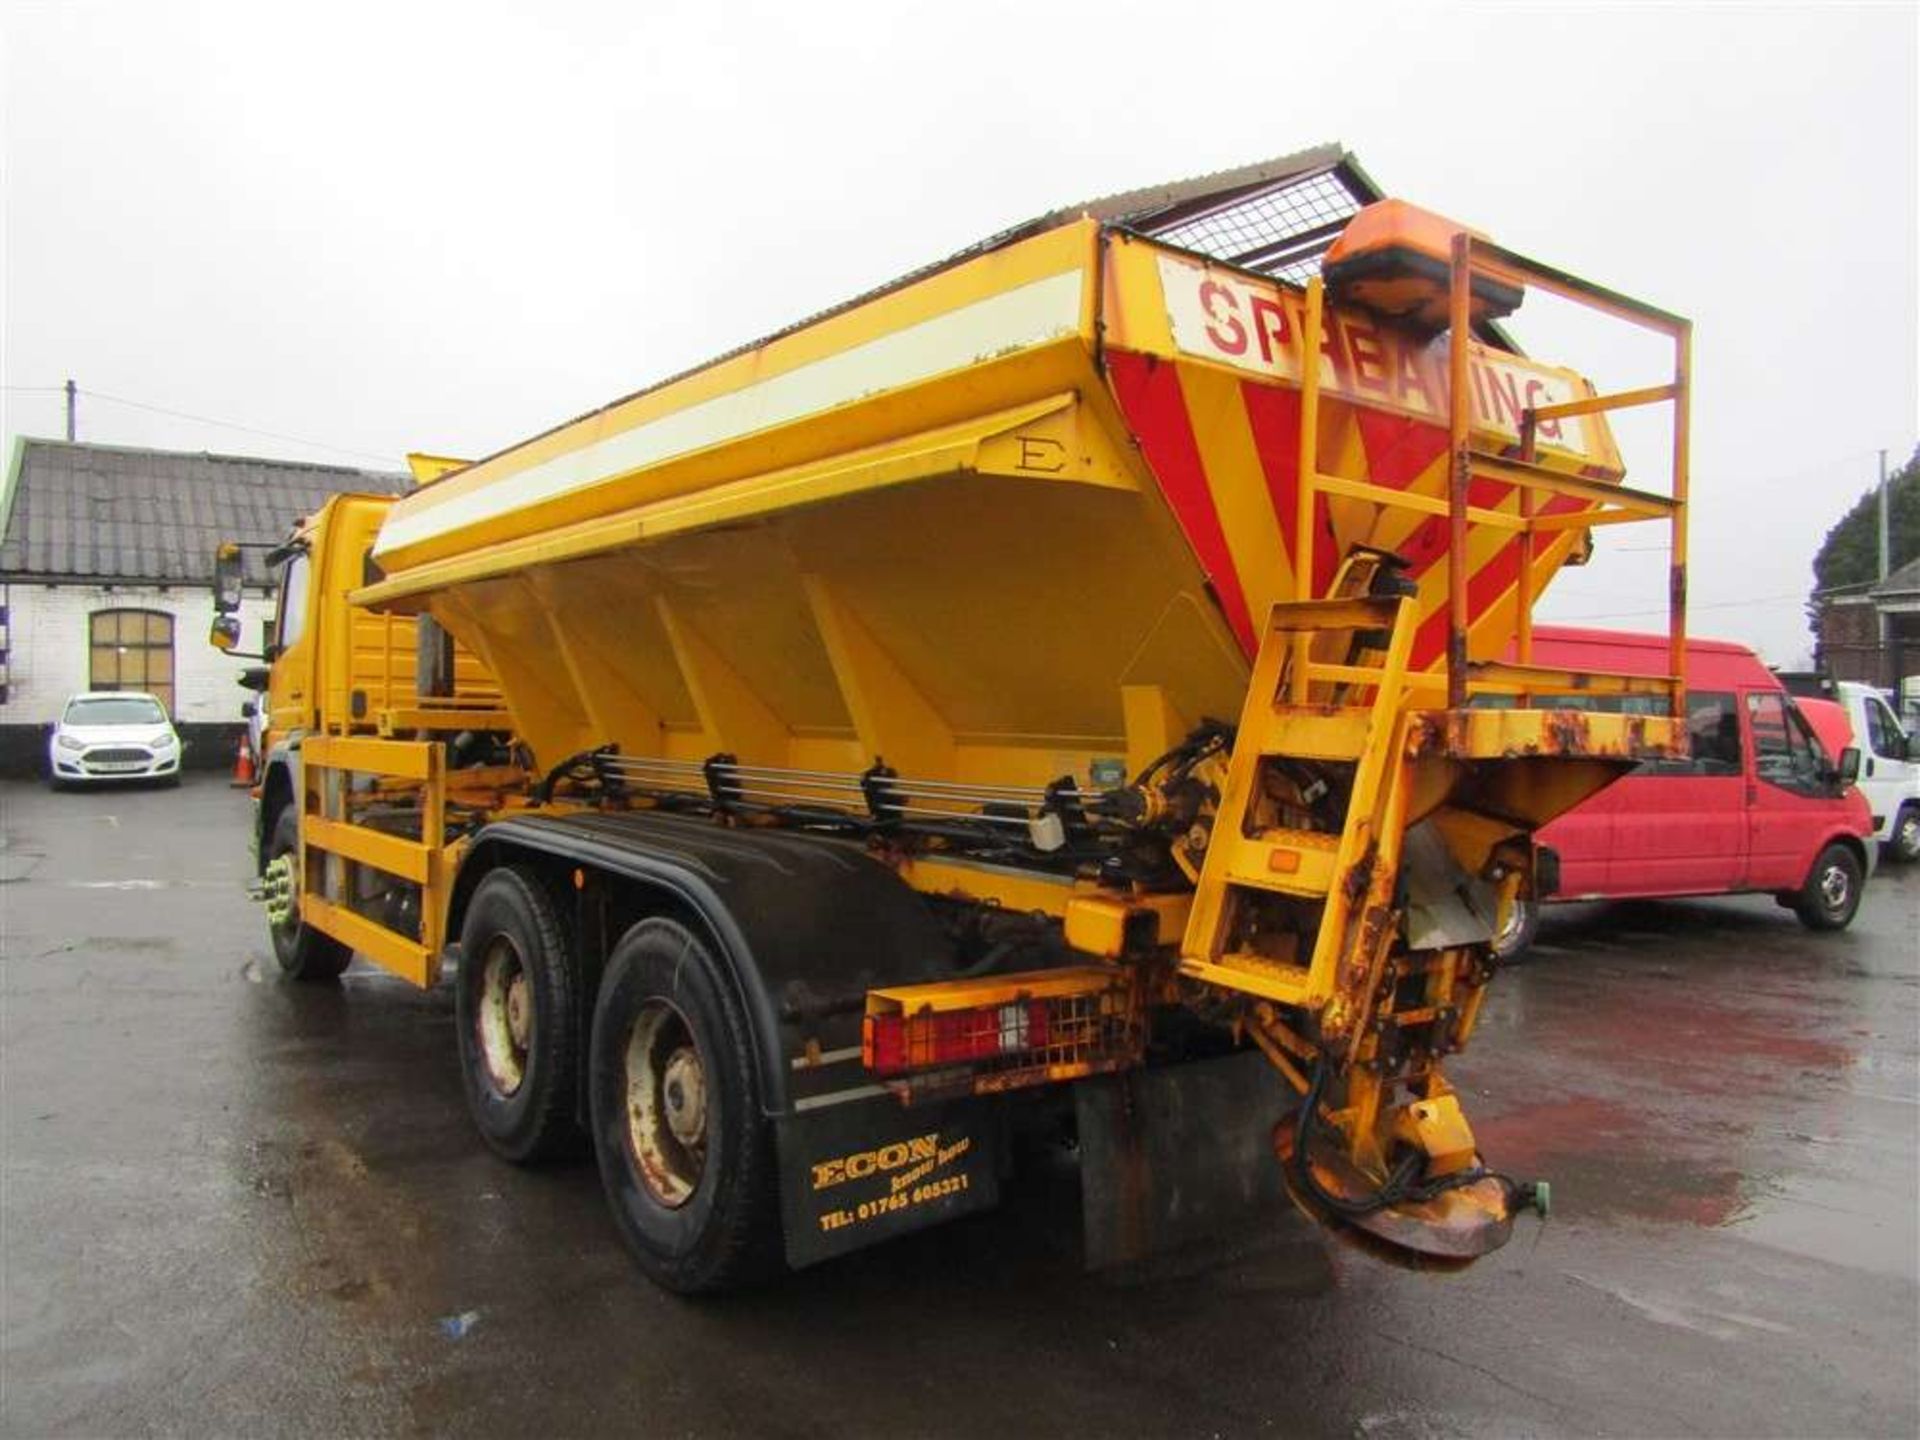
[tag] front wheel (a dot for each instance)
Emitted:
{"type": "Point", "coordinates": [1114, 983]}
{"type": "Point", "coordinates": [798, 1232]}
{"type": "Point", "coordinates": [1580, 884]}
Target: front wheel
{"type": "Point", "coordinates": [685, 1152]}
{"type": "Point", "coordinates": [1832, 892]}
{"type": "Point", "coordinates": [1904, 844]}
{"type": "Point", "coordinates": [303, 952]}
{"type": "Point", "coordinates": [518, 1018]}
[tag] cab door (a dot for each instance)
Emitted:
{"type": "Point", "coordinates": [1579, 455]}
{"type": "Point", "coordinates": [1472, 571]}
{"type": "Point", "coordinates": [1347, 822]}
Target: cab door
{"type": "Point", "coordinates": [1680, 826]}
{"type": "Point", "coordinates": [1791, 804]}
{"type": "Point", "coordinates": [1886, 779]}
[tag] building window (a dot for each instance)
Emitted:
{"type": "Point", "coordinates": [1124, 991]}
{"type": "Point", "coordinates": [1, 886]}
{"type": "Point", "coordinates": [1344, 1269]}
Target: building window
{"type": "Point", "coordinates": [131, 650]}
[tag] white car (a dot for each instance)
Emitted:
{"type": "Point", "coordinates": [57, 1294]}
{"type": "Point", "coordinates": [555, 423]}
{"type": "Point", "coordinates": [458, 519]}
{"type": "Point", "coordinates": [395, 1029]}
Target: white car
{"type": "Point", "coordinates": [113, 735]}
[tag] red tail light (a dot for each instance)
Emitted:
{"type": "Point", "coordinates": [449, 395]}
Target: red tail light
{"type": "Point", "coordinates": [896, 1043]}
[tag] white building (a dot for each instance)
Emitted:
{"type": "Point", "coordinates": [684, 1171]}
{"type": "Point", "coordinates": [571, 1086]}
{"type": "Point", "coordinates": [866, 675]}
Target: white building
{"type": "Point", "coordinates": [106, 564]}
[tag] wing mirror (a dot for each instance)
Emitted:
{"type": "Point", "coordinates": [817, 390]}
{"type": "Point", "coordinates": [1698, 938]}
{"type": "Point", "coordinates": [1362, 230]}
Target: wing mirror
{"type": "Point", "coordinates": [1848, 769]}
{"type": "Point", "coordinates": [229, 575]}
{"type": "Point", "coordinates": [229, 581]}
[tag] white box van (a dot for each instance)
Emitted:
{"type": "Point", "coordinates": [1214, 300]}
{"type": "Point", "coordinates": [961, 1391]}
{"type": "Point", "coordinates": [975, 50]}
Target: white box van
{"type": "Point", "coordinates": [1889, 770]}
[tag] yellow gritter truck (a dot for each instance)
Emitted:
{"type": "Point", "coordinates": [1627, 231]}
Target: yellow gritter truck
{"type": "Point", "coordinates": [1056, 691]}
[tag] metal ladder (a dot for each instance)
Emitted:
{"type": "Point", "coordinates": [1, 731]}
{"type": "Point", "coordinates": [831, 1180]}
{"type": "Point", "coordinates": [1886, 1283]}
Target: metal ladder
{"type": "Point", "coordinates": [1330, 685]}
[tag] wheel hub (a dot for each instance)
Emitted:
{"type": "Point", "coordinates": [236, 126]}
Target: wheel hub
{"type": "Point", "coordinates": [503, 1022]}
{"type": "Point", "coordinates": [276, 888]}
{"type": "Point", "coordinates": [519, 1012]}
{"type": "Point", "coordinates": [666, 1104]}
{"type": "Point", "coordinates": [685, 1093]}
{"type": "Point", "coordinates": [1833, 886]}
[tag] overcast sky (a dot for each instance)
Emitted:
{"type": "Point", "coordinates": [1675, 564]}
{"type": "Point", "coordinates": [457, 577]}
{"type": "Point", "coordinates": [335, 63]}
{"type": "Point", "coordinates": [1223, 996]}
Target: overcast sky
{"type": "Point", "coordinates": [391, 227]}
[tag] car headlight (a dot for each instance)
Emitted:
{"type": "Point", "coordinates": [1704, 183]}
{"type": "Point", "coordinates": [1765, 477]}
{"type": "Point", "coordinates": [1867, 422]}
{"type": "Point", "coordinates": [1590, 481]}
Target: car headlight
{"type": "Point", "coordinates": [163, 742]}
{"type": "Point", "coordinates": [70, 742]}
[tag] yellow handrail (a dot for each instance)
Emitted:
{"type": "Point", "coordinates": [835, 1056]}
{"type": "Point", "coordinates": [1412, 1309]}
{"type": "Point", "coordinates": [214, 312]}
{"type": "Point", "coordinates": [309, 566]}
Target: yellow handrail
{"type": "Point", "coordinates": [1614, 504]}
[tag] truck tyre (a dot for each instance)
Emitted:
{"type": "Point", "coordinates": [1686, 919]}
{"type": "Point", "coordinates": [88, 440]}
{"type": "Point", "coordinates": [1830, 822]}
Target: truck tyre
{"type": "Point", "coordinates": [1832, 892]}
{"type": "Point", "coordinates": [518, 1019]}
{"type": "Point", "coordinates": [1904, 845]}
{"type": "Point", "coordinates": [685, 1152]}
{"type": "Point", "coordinates": [303, 952]}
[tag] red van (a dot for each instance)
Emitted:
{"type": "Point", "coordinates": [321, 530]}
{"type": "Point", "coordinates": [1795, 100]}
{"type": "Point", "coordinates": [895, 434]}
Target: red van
{"type": "Point", "coordinates": [1762, 806]}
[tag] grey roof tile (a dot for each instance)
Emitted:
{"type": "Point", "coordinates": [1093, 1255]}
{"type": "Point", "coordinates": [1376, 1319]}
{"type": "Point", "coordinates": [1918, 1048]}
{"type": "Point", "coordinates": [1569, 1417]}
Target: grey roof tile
{"type": "Point", "coordinates": [105, 512]}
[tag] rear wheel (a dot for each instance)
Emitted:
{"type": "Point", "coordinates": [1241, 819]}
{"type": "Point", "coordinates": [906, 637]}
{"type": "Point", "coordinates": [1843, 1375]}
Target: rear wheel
{"type": "Point", "coordinates": [302, 951]}
{"type": "Point", "coordinates": [1905, 842]}
{"type": "Point", "coordinates": [1514, 936]}
{"type": "Point", "coordinates": [1832, 892]}
{"type": "Point", "coordinates": [516, 999]}
{"type": "Point", "coordinates": [685, 1153]}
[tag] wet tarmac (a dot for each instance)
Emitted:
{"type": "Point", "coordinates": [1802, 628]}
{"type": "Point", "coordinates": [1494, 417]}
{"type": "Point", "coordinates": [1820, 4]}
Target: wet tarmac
{"type": "Point", "coordinates": [233, 1205]}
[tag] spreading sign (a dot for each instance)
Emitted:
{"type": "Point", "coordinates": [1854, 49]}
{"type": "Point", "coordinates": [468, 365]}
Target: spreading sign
{"type": "Point", "coordinates": [1256, 325]}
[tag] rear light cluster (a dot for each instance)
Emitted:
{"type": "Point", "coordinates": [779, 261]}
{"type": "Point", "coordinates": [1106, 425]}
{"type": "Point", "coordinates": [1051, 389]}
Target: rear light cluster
{"type": "Point", "coordinates": [896, 1043]}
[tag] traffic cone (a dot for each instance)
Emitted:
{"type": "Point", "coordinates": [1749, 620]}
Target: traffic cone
{"type": "Point", "coordinates": [243, 765]}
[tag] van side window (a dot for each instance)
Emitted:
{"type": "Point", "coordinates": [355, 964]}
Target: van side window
{"type": "Point", "coordinates": [1713, 725]}
{"type": "Point", "coordinates": [1883, 735]}
{"type": "Point", "coordinates": [1713, 731]}
{"type": "Point", "coordinates": [1784, 752]}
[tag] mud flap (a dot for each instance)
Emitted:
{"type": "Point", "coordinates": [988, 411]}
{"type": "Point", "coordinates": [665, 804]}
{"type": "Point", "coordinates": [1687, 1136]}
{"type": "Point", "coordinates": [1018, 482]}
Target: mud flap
{"type": "Point", "coordinates": [855, 1174]}
{"type": "Point", "coordinates": [1178, 1154]}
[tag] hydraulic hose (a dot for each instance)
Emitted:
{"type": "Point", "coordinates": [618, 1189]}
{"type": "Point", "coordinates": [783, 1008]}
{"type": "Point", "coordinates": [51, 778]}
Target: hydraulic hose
{"type": "Point", "coordinates": [1400, 1188]}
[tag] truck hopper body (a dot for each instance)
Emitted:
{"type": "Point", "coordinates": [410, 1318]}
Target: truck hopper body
{"type": "Point", "coordinates": [1082, 633]}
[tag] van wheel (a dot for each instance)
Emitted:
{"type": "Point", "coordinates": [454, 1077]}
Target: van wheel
{"type": "Point", "coordinates": [1905, 844]}
{"type": "Point", "coordinates": [1832, 892]}
{"type": "Point", "coordinates": [1514, 937]}
{"type": "Point", "coordinates": [303, 952]}
{"type": "Point", "coordinates": [518, 1019]}
{"type": "Point", "coordinates": [685, 1152]}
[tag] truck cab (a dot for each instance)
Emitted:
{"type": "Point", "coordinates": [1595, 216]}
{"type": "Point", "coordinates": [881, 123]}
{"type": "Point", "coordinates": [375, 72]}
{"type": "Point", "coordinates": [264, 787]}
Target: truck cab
{"type": "Point", "coordinates": [1889, 771]}
{"type": "Point", "coordinates": [334, 666]}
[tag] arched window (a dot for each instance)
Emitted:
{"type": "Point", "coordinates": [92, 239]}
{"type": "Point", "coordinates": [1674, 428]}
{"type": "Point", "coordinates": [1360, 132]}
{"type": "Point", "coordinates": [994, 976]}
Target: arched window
{"type": "Point", "coordinates": [131, 650]}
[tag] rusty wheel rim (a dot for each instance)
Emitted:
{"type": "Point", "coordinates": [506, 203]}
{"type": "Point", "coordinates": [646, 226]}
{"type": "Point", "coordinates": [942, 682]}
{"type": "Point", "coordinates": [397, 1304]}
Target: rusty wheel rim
{"type": "Point", "coordinates": [503, 1026]}
{"type": "Point", "coordinates": [666, 1104]}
